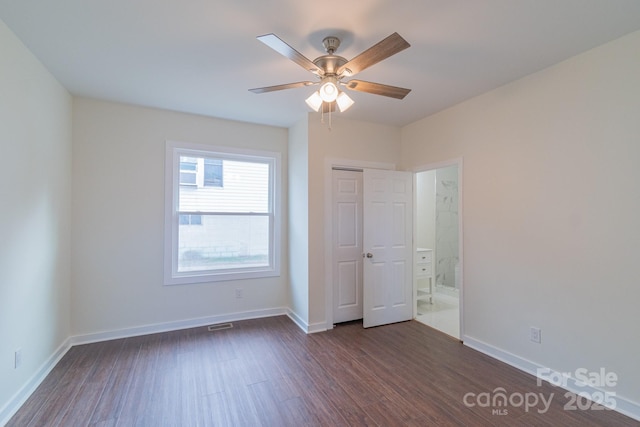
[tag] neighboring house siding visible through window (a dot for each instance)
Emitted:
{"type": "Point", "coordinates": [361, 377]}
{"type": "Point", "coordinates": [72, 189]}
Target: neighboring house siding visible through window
{"type": "Point", "coordinates": [222, 224]}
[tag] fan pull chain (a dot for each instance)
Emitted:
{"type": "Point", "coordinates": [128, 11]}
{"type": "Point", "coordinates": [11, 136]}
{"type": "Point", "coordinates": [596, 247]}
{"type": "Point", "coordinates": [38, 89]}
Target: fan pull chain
{"type": "Point", "coordinates": [322, 113]}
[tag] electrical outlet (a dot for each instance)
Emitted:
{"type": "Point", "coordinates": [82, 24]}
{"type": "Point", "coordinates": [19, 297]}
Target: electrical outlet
{"type": "Point", "coordinates": [239, 293]}
{"type": "Point", "coordinates": [17, 358]}
{"type": "Point", "coordinates": [536, 335]}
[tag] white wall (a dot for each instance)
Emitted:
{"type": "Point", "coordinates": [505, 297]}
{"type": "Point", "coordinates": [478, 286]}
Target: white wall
{"type": "Point", "coordinates": [118, 219]}
{"type": "Point", "coordinates": [299, 222]}
{"type": "Point", "coordinates": [551, 207]}
{"type": "Point", "coordinates": [35, 174]}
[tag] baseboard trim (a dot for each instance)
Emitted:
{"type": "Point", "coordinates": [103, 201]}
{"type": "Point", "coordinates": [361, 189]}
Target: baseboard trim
{"type": "Point", "coordinates": [306, 327]}
{"type": "Point", "coordinates": [298, 320]}
{"type": "Point", "coordinates": [317, 327]}
{"type": "Point", "coordinates": [174, 326]}
{"type": "Point", "coordinates": [18, 399]}
{"type": "Point", "coordinates": [622, 405]}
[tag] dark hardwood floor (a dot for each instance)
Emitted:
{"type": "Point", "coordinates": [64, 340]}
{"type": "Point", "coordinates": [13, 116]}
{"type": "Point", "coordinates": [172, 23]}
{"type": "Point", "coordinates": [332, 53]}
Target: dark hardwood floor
{"type": "Point", "coordinates": [267, 372]}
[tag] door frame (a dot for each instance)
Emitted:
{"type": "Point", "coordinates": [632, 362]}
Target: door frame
{"type": "Point", "coordinates": [329, 165]}
{"type": "Point", "coordinates": [432, 166]}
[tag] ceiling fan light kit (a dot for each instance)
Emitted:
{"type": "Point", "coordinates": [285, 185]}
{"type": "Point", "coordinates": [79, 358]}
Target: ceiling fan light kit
{"type": "Point", "coordinates": [344, 102]}
{"type": "Point", "coordinates": [329, 89]}
{"type": "Point", "coordinates": [331, 69]}
{"type": "Point", "coordinates": [314, 101]}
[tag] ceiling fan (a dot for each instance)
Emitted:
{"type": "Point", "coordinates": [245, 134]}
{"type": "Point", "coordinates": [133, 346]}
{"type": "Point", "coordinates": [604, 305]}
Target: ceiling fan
{"type": "Point", "coordinates": [331, 69]}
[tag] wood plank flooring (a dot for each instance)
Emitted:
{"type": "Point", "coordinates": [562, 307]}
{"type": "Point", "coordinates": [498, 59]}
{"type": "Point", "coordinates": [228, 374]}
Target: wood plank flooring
{"type": "Point", "coordinates": [267, 372]}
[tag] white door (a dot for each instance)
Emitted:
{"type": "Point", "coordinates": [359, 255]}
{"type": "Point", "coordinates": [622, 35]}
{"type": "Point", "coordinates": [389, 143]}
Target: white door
{"type": "Point", "coordinates": [387, 247]}
{"type": "Point", "coordinates": [347, 245]}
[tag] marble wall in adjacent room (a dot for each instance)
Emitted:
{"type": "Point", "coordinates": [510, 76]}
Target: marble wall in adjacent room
{"type": "Point", "coordinates": [446, 225]}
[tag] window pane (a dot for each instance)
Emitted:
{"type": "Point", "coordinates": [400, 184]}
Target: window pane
{"type": "Point", "coordinates": [224, 242]}
{"type": "Point", "coordinates": [187, 178]}
{"type": "Point", "coordinates": [245, 190]}
{"type": "Point", "coordinates": [187, 165]}
{"type": "Point", "coordinates": [213, 173]}
{"type": "Point", "coordinates": [186, 219]}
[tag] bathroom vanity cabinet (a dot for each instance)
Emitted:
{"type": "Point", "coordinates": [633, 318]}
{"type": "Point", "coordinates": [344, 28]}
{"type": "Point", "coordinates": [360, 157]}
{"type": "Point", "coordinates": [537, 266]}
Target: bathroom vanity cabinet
{"type": "Point", "coordinates": [423, 275]}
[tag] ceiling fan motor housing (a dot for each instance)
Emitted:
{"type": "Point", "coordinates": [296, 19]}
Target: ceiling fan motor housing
{"type": "Point", "coordinates": [330, 63]}
{"type": "Point", "coordinates": [331, 44]}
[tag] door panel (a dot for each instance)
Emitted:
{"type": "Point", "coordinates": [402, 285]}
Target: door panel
{"type": "Point", "coordinates": [347, 279]}
{"type": "Point", "coordinates": [379, 285]}
{"type": "Point", "coordinates": [399, 296]}
{"type": "Point", "coordinates": [347, 223]}
{"type": "Point", "coordinates": [387, 243]}
{"type": "Point", "coordinates": [347, 246]}
{"type": "Point", "coordinates": [398, 238]}
{"type": "Point", "coordinates": [376, 228]}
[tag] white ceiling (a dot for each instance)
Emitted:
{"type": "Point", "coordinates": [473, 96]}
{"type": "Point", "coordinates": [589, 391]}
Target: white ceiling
{"type": "Point", "coordinates": [202, 56]}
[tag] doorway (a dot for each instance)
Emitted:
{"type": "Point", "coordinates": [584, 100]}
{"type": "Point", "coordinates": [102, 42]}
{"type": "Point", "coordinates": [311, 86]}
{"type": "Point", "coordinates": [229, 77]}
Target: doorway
{"type": "Point", "coordinates": [438, 232]}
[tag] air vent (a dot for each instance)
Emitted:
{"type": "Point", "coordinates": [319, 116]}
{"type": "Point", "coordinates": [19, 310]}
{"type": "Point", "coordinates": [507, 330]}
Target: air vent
{"type": "Point", "coordinates": [219, 327]}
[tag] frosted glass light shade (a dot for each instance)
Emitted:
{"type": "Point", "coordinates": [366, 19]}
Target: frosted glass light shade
{"type": "Point", "coordinates": [329, 91]}
{"type": "Point", "coordinates": [344, 102]}
{"type": "Point", "coordinates": [314, 101]}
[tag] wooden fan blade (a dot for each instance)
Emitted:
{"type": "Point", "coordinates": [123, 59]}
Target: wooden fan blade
{"type": "Point", "coordinates": [376, 53]}
{"type": "Point", "coordinates": [281, 87]}
{"type": "Point", "coordinates": [277, 44]}
{"type": "Point", "coordinates": [377, 89]}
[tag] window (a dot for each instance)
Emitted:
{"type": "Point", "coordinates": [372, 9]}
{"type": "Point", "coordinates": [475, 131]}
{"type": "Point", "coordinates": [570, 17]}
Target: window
{"type": "Point", "coordinates": [188, 170]}
{"type": "Point", "coordinates": [200, 171]}
{"type": "Point", "coordinates": [221, 214]}
{"type": "Point", "coordinates": [188, 219]}
{"type": "Point", "coordinates": [212, 173]}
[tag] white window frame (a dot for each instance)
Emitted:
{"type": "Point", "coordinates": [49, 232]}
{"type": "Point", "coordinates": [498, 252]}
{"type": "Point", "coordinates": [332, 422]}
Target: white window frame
{"type": "Point", "coordinates": [175, 149]}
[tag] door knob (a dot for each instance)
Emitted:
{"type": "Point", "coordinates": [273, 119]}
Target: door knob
{"type": "Point", "coordinates": [369, 255]}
